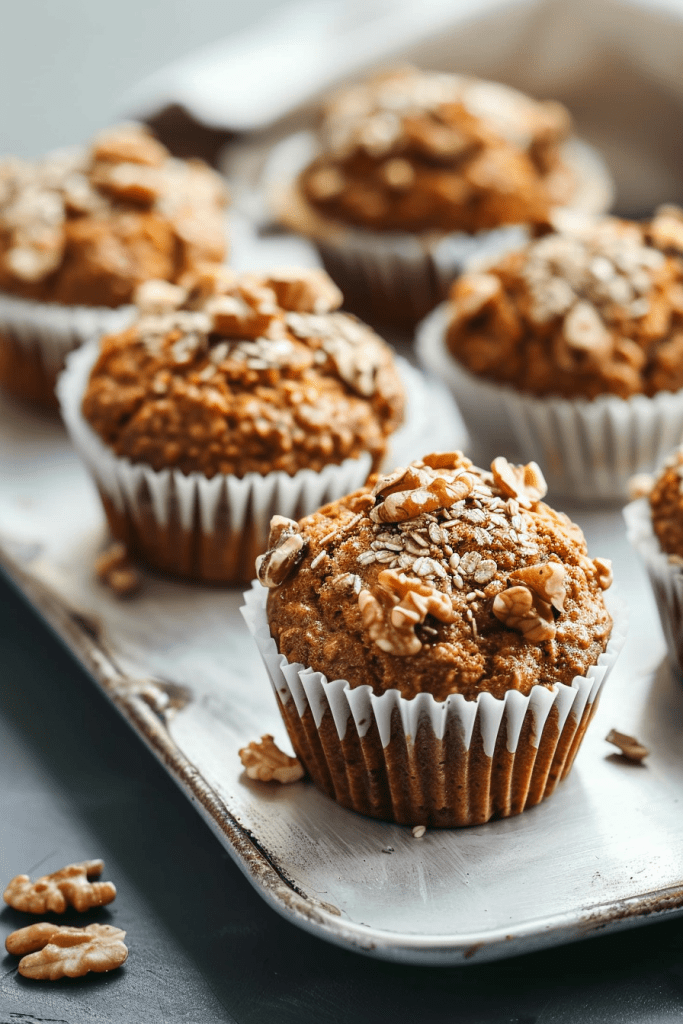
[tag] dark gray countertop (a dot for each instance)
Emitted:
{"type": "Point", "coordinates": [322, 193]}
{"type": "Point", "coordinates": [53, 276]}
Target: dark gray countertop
{"type": "Point", "coordinates": [76, 783]}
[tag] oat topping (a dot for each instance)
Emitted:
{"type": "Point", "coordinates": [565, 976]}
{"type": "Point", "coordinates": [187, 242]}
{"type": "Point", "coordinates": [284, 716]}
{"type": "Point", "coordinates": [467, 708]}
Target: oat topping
{"type": "Point", "coordinates": [72, 886]}
{"type": "Point", "coordinates": [89, 225]}
{"type": "Point", "coordinates": [594, 307]}
{"type": "Point", "coordinates": [416, 150]}
{"type": "Point", "coordinates": [220, 375]}
{"type": "Point", "coordinates": [265, 762]}
{"type": "Point", "coordinates": [478, 590]}
{"type": "Point", "coordinates": [58, 951]}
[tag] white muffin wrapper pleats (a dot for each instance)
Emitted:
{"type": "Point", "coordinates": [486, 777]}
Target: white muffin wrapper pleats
{"type": "Point", "coordinates": [587, 449]}
{"type": "Point", "coordinates": [494, 724]}
{"type": "Point", "coordinates": [666, 577]}
{"type": "Point", "coordinates": [54, 329]}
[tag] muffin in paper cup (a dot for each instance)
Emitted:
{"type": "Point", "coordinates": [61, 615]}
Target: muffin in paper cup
{"type": "Point", "coordinates": [659, 546]}
{"type": "Point", "coordinates": [403, 185]}
{"type": "Point", "coordinates": [81, 229]}
{"type": "Point", "coordinates": [567, 351]}
{"type": "Point", "coordinates": [438, 748]}
{"type": "Point", "coordinates": [160, 481]}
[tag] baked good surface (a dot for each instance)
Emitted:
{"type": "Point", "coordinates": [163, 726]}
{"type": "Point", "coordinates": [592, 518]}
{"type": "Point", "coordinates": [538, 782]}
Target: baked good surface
{"type": "Point", "coordinates": [86, 226]}
{"type": "Point", "coordinates": [666, 505]}
{"type": "Point", "coordinates": [441, 578]}
{"type": "Point", "coordinates": [415, 151]}
{"type": "Point", "coordinates": [228, 374]}
{"type": "Point", "coordinates": [595, 308]}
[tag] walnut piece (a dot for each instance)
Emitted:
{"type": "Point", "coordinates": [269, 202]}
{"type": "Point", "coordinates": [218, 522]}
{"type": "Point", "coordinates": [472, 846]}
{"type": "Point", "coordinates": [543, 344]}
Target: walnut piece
{"type": "Point", "coordinates": [525, 483]}
{"type": "Point", "coordinates": [629, 746]}
{"type": "Point", "coordinates": [158, 297]}
{"type": "Point", "coordinates": [286, 548]}
{"type": "Point", "coordinates": [640, 485]}
{"type": "Point", "coordinates": [425, 486]}
{"type": "Point", "coordinates": [115, 569]}
{"type": "Point", "coordinates": [305, 291]}
{"type": "Point", "coordinates": [71, 886]}
{"type": "Point", "coordinates": [546, 580]}
{"type": "Point", "coordinates": [63, 952]}
{"type": "Point", "coordinates": [603, 570]}
{"type": "Point", "coordinates": [265, 762]}
{"type": "Point", "coordinates": [391, 616]}
{"type": "Point", "coordinates": [518, 608]}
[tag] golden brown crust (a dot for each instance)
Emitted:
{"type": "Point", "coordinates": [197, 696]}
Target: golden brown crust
{"type": "Point", "coordinates": [594, 309]}
{"type": "Point", "coordinates": [236, 382]}
{"type": "Point", "coordinates": [86, 227]}
{"type": "Point", "coordinates": [461, 557]}
{"type": "Point", "coordinates": [417, 151]}
{"type": "Point", "coordinates": [666, 504]}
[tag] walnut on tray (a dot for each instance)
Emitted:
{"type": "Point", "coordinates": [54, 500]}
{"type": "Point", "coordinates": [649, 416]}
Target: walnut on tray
{"type": "Point", "coordinates": [265, 762]}
{"type": "Point", "coordinates": [115, 569]}
{"type": "Point", "coordinates": [70, 886]}
{"type": "Point", "coordinates": [51, 951]}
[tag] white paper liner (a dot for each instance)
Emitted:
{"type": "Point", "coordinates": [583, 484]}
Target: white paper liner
{"type": "Point", "coordinates": [666, 577]}
{"type": "Point", "coordinates": [56, 329]}
{"type": "Point", "coordinates": [587, 449]}
{"type": "Point", "coordinates": [408, 272]}
{"type": "Point", "coordinates": [296, 684]}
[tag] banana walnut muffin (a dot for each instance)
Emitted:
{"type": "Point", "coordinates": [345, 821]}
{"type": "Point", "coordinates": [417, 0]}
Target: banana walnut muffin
{"type": "Point", "coordinates": [235, 397]}
{"type": "Point", "coordinates": [81, 229]}
{"type": "Point", "coordinates": [442, 581]}
{"type": "Point", "coordinates": [591, 310]}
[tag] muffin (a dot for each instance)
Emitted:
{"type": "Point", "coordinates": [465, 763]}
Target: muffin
{"type": "Point", "coordinates": [654, 523]}
{"type": "Point", "coordinates": [437, 642]}
{"type": "Point", "coordinates": [415, 171]}
{"type": "Point", "coordinates": [80, 230]}
{"type": "Point", "coordinates": [572, 347]}
{"type": "Point", "coordinates": [228, 400]}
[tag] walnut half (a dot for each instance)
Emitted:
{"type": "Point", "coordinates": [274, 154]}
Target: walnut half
{"type": "Point", "coordinates": [56, 951]}
{"type": "Point", "coordinates": [264, 761]}
{"type": "Point", "coordinates": [70, 886]}
{"type": "Point", "coordinates": [520, 609]}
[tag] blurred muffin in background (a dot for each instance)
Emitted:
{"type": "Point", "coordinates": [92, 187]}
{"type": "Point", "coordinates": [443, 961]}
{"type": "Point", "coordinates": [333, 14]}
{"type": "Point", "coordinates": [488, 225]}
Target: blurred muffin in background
{"type": "Point", "coordinates": [416, 171]}
{"type": "Point", "coordinates": [80, 229]}
{"type": "Point", "coordinates": [230, 399]}
{"type": "Point", "coordinates": [572, 348]}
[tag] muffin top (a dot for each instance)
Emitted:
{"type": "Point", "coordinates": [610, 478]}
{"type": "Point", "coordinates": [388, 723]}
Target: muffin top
{"type": "Point", "coordinates": [228, 374]}
{"type": "Point", "coordinates": [86, 226]}
{"type": "Point", "coordinates": [413, 150]}
{"type": "Point", "coordinates": [441, 578]}
{"type": "Point", "coordinates": [666, 506]}
{"type": "Point", "coordinates": [596, 308]}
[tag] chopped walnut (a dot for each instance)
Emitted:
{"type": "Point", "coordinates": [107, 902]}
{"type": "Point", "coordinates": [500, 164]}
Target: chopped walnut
{"type": "Point", "coordinates": [286, 548]}
{"type": "Point", "coordinates": [423, 488]}
{"type": "Point", "coordinates": [518, 608]}
{"type": "Point", "coordinates": [525, 483]}
{"type": "Point", "coordinates": [547, 581]}
{"type": "Point", "coordinates": [629, 746]}
{"type": "Point", "coordinates": [115, 569]}
{"type": "Point", "coordinates": [63, 952]}
{"type": "Point", "coordinates": [158, 297]}
{"type": "Point", "coordinates": [305, 291]}
{"type": "Point", "coordinates": [401, 604]}
{"type": "Point", "coordinates": [265, 762]}
{"type": "Point", "coordinates": [71, 886]}
{"type": "Point", "coordinates": [640, 485]}
{"type": "Point", "coordinates": [603, 571]}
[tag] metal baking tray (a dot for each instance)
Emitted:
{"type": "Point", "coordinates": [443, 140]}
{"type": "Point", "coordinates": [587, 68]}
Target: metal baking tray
{"type": "Point", "coordinates": [604, 852]}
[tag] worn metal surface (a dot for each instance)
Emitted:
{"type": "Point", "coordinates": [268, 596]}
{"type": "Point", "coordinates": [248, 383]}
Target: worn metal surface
{"type": "Point", "coordinates": [604, 853]}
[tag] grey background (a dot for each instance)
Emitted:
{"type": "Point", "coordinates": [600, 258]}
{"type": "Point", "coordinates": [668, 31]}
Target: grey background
{"type": "Point", "coordinates": [76, 783]}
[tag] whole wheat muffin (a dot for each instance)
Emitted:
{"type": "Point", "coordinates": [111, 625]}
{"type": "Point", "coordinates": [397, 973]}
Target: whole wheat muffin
{"type": "Point", "coordinates": [83, 228]}
{"type": "Point", "coordinates": [249, 379]}
{"type": "Point", "coordinates": [594, 309]}
{"type": "Point", "coordinates": [442, 580]}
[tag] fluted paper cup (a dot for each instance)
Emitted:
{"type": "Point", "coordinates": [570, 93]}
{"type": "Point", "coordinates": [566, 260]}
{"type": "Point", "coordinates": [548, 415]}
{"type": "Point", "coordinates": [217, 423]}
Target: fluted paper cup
{"type": "Point", "coordinates": [395, 277]}
{"type": "Point", "coordinates": [666, 577]}
{"type": "Point", "coordinates": [427, 762]}
{"type": "Point", "coordinates": [35, 338]}
{"type": "Point", "coordinates": [587, 449]}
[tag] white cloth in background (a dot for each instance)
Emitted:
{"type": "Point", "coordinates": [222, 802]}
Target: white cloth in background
{"type": "Point", "coordinates": [617, 65]}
